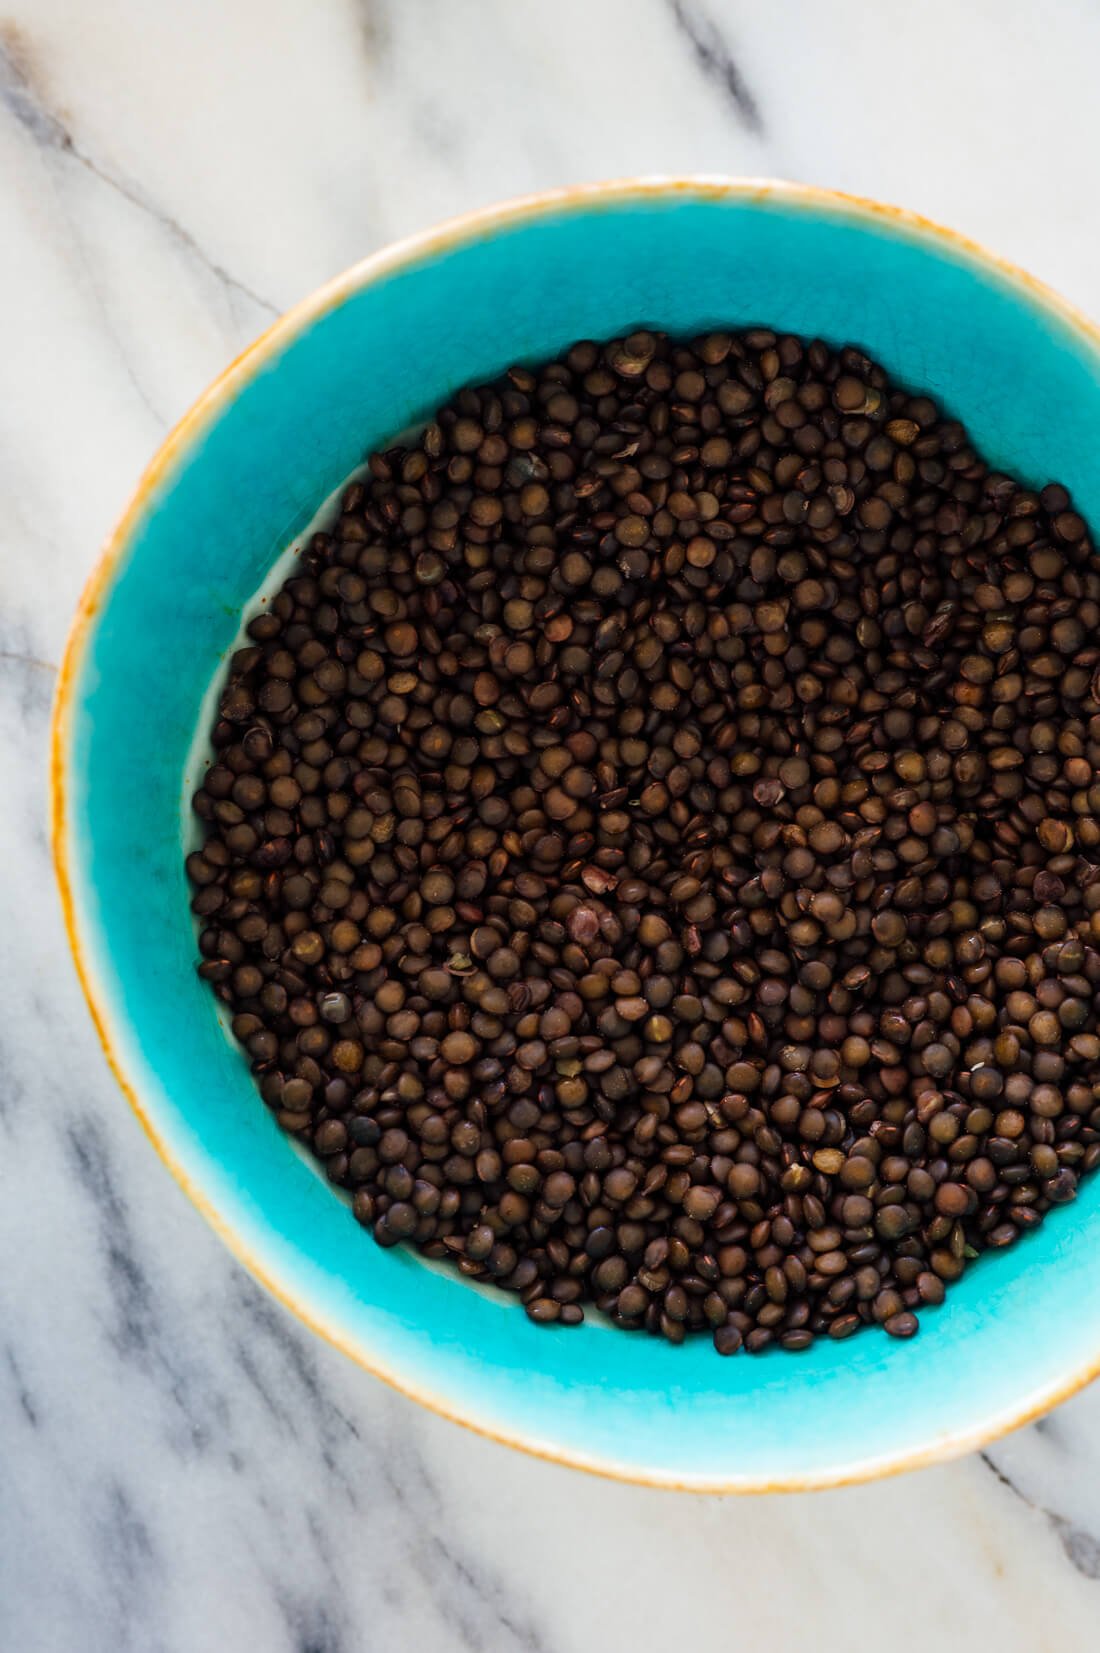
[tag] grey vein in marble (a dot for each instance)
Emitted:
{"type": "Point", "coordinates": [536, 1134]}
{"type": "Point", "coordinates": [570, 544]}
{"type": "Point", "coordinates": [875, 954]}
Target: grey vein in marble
{"type": "Point", "coordinates": [1081, 1546]}
{"type": "Point", "coordinates": [716, 60]}
{"type": "Point", "coordinates": [21, 658]}
{"type": "Point", "coordinates": [134, 1329]}
{"type": "Point", "coordinates": [19, 1387]}
{"type": "Point", "coordinates": [25, 99]}
{"type": "Point", "coordinates": [30, 679]}
{"type": "Point", "coordinates": [375, 29]}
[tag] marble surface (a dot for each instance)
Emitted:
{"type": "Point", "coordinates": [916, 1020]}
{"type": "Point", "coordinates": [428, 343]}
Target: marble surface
{"type": "Point", "coordinates": [184, 1468]}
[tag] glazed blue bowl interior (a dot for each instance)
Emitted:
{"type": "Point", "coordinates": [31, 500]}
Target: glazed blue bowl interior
{"type": "Point", "coordinates": [375, 356]}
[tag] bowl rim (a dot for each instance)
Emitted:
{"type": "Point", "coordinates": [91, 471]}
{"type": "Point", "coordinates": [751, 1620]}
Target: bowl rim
{"type": "Point", "coordinates": [470, 227]}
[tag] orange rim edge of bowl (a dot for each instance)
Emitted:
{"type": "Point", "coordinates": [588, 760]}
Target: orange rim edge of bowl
{"type": "Point", "coordinates": [389, 260]}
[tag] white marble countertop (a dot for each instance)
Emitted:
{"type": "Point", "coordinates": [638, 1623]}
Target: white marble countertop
{"type": "Point", "coordinates": [184, 1467]}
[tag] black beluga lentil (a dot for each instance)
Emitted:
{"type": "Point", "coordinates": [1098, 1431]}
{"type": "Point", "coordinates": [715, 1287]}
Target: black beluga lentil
{"type": "Point", "coordinates": [652, 849]}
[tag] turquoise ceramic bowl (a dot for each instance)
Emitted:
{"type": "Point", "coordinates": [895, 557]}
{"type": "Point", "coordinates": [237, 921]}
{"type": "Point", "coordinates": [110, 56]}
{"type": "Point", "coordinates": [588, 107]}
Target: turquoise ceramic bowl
{"type": "Point", "coordinates": [368, 356]}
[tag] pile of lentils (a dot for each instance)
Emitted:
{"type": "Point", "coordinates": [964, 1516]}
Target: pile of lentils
{"type": "Point", "coordinates": [652, 847]}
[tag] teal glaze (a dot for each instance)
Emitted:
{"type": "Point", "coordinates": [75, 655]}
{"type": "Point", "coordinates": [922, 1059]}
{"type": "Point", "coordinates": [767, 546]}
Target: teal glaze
{"type": "Point", "coordinates": [368, 359]}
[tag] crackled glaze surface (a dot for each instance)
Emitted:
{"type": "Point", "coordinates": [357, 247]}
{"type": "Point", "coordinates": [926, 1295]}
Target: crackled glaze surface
{"type": "Point", "coordinates": [185, 1467]}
